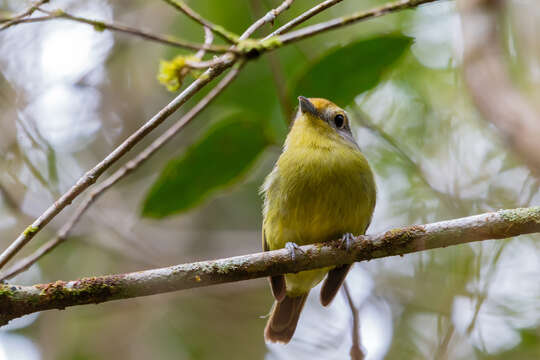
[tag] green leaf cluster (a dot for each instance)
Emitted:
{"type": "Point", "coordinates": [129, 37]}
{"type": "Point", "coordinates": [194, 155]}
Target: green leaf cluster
{"type": "Point", "coordinates": [220, 158]}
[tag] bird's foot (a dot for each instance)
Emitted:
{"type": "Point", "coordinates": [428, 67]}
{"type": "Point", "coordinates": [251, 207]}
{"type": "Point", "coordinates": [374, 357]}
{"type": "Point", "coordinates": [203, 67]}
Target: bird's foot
{"type": "Point", "coordinates": [346, 241]}
{"type": "Point", "coordinates": [293, 248]}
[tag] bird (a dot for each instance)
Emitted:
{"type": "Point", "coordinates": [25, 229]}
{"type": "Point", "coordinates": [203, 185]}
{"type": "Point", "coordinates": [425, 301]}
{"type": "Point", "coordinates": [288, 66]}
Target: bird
{"type": "Point", "coordinates": [320, 189]}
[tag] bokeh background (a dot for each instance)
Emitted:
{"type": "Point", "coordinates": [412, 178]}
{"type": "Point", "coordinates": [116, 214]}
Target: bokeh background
{"type": "Point", "coordinates": [70, 94]}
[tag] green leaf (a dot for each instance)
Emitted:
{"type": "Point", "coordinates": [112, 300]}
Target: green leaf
{"type": "Point", "coordinates": [220, 158]}
{"type": "Point", "coordinates": [344, 72]}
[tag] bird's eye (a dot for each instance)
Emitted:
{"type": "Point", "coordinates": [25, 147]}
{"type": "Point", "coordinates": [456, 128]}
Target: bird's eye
{"type": "Point", "coordinates": [339, 121]}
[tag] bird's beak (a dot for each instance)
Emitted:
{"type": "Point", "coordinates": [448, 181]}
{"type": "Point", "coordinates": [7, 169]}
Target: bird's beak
{"type": "Point", "coordinates": [307, 107]}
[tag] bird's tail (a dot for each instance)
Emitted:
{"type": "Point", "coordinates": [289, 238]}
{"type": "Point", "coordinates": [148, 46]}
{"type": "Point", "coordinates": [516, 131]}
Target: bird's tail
{"type": "Point", "coordinates": [283, 319]}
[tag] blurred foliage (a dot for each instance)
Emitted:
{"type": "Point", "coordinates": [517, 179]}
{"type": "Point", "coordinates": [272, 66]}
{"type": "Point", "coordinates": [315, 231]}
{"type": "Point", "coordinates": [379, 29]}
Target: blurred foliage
{"type": "Point", "coordinates": [69, 95]}
{"type": "Point", "coordinates": [346, 71]}
{"type": "Point", "coordinates": [221, 156]}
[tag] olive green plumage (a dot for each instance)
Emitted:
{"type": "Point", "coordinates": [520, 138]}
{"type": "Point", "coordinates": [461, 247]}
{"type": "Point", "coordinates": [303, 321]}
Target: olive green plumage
{"type": "Point", "coordinates": [320, 188]}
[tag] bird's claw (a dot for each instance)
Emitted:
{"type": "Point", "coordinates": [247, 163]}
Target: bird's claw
{"type": "Point", "coordinates": [293, 248]}
{"type": "Point", "coordinates": [346, 241]}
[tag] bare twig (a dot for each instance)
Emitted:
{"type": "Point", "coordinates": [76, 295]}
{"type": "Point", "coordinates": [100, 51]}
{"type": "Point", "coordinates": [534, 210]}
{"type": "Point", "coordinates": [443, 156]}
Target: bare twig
{"type": "Point", "coordinates": [208, 39]}
{"type": "Point", "coordinates": [303, 17]}
{"type": "Point", "coordinates": [182, 6]}
{"type": "Point", "coordinates": [16, 301]}
{"type": "Point", "coordinates": [268, 18]}
{"type": "Point", "coordinates": [490, 84]}
{"type": "Point", "coordinates": [28, 20]}
{"type": "Point", "coordinates": [25, 14]}
{"type": "Point", "coordinates": [350, 19]}
{"type": "Point", "coordinates": [203, 64]}
{"type": "Point", "coordinates": [163, 39]}
{"type": "Point", "coordinates": [119, 174]}
{"type": "Point", "coordinates": [356, 350]}
{"type": "Point", "coordinates": [198, 64]}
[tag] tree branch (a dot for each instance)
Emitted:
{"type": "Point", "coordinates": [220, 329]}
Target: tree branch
{"type": "Point", "coordinates": [350, 19]}
{"type": "Point", "coordinates": [304, 17]}
{"type": "Point", "coordinates": [269, 17]}
{"type": "Point", "coordinates": [182, 6]}
{"type": "Point", "coordinates": [490, 84]}
{"type": "Point", "coordinates": [208, 39]}
{"type": "Point", "coordinates": [16, 301]}
{"type": "Point", "coordinates": [162, 39]}
{"type": "Point", "coordinates": [17, 19]}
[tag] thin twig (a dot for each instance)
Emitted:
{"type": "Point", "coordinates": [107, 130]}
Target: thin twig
{"type": "Point", "coordinates": [350, 19]}
{"type": "Point", "coordinates": [268, 18]}
{"type": "Point", "coordinates": [182, 6]}
{"type": "Point", "coordinates": [119, 174]}
{"type": "Point", "coordinates": [25, 14]}
{"type": "Point", "coordinates": [208, 39]}
{"type": "Point", "coordinates": [34, 19]}
{"type": "Point", "coordinates": [303, 17]}
{"type": "Point", "coordinates": [162, 39]}
{"type": "Point", "coordinates": [16, 300]}
{"type": "Point", "coordinates": [204, 64]}
{"type": "Point", "coordinates": [356, 350]}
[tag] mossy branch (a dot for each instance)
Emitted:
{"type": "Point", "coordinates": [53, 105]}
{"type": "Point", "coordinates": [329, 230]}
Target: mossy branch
{"type": "Point", "coordinates": [16, 301]}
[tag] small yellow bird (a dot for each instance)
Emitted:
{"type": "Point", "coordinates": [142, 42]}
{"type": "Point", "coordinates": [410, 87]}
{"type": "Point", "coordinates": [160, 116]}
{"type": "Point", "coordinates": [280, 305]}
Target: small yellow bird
{"type": "Point", "coordinates": [320, 189]}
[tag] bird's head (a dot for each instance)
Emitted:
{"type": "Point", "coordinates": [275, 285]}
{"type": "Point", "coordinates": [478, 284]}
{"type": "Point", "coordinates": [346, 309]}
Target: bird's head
{"type": "Point", "coordinates": [327, 116]}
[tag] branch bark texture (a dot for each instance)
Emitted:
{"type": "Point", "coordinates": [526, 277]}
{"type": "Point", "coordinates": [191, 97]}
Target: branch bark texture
{"type": "Point", "coordinates": [16, 301]}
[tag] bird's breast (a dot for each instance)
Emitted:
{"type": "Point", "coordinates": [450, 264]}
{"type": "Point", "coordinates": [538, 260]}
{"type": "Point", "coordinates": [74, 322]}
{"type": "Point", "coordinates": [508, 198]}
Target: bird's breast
{"type": "Point", "coordinates": [318, 194]}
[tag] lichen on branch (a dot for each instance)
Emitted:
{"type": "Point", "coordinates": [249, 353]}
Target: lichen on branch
{"type": "Point", "coordinates": [16, 301]}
